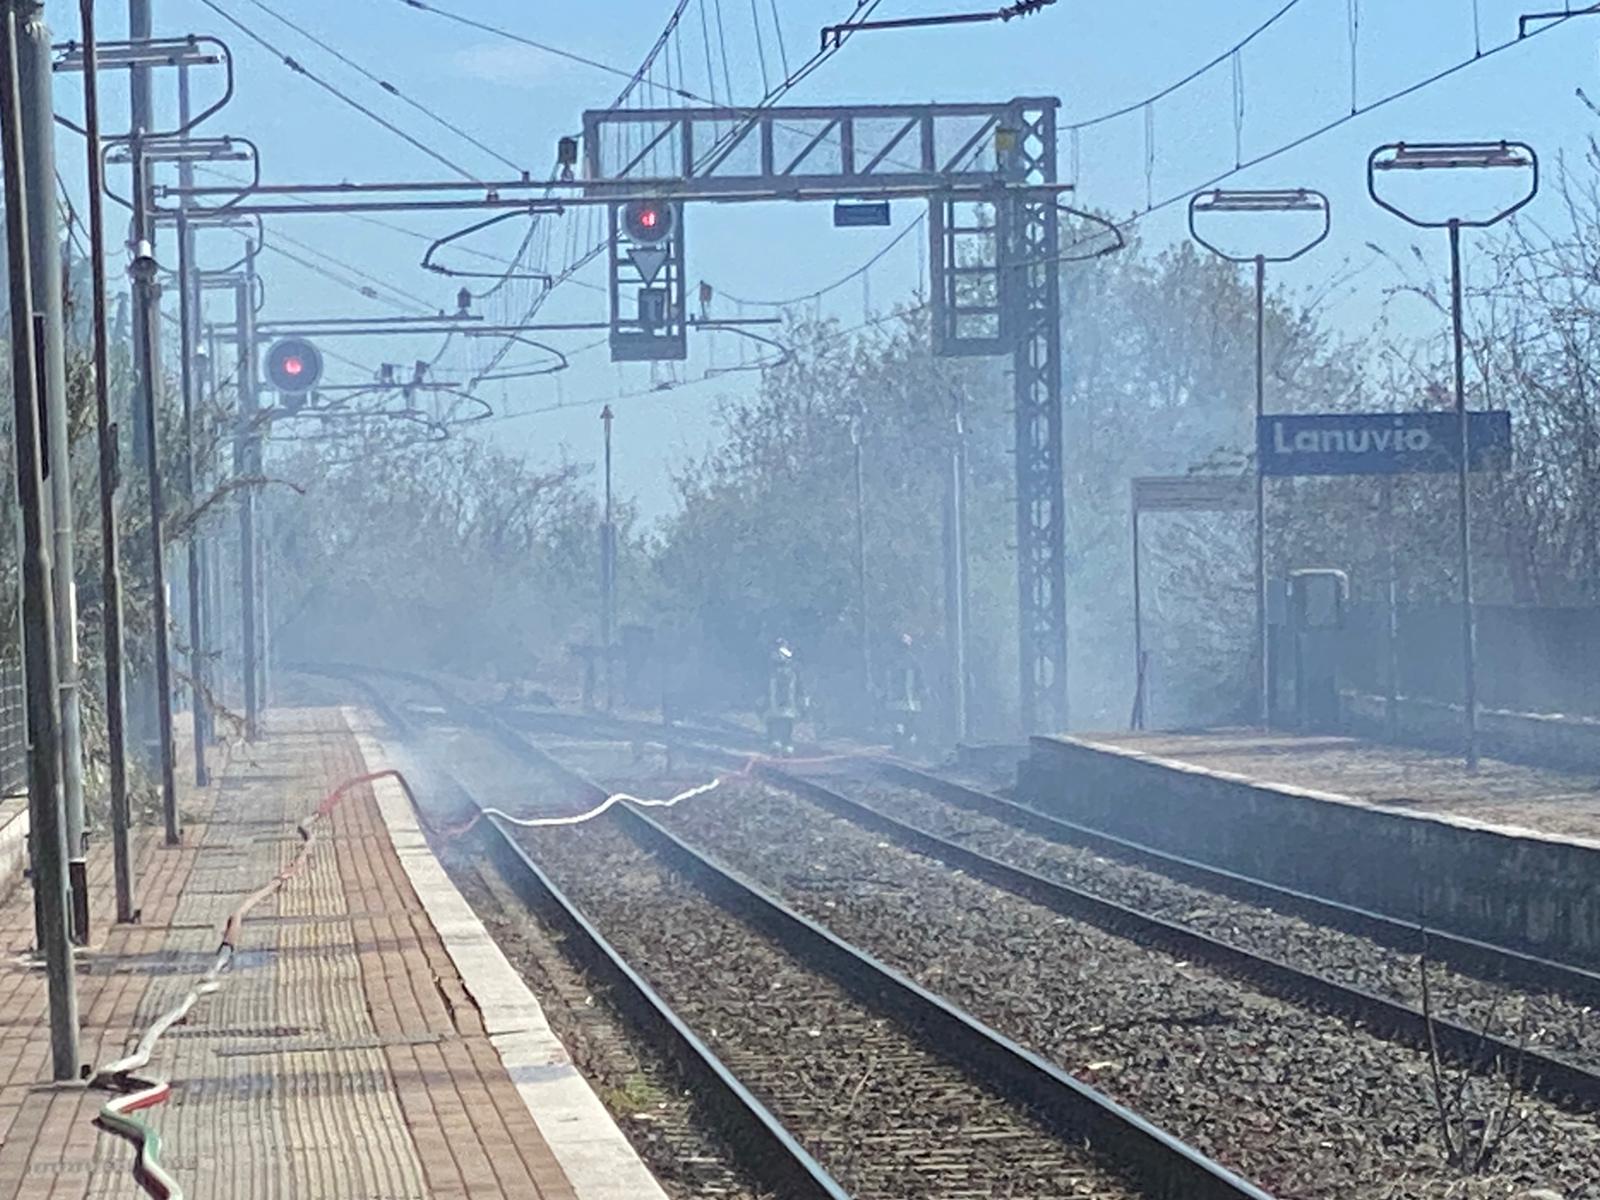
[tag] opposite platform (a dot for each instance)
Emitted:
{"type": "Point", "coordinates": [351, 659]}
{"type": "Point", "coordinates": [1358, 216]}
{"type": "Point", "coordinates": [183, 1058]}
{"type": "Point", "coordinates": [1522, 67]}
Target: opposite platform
{"type": "Point", "coordinates": [1380, 827]}
{"type": "Point", "coordinates": [346, 1056]}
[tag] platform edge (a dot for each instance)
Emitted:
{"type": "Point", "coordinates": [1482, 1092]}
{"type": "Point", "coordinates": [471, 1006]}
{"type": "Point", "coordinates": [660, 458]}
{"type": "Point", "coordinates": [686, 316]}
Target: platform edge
{"type": "Point", "coordinates": [590, 1147]}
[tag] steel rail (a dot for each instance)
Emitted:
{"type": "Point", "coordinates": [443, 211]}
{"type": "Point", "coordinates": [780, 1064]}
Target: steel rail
{"type": "Point", "coordinates": [1165, 1167]}
{"type": "Point", "coordinates": [1547, 1074]}
{"type": "Point", "coordinates": [1486, 960]}
{"type": "Point", "coordinates": [761, 1143]}
{"type": "Point", "coordinates": [1471, 955]}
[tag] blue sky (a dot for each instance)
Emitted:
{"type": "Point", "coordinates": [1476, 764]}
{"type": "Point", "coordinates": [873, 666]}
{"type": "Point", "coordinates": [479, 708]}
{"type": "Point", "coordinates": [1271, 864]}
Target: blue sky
{"type": "Point", "coordinates": [1095, 57]}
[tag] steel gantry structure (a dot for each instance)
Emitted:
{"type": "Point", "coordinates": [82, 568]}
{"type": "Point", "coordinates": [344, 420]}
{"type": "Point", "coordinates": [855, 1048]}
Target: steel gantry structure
{"type": "Point", "coordinates": [988, 172]}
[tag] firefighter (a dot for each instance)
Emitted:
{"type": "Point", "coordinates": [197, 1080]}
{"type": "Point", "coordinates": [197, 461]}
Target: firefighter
{"type": "Point", "coordinates": [904, 693]}
{"type": "Point", "coordinates": [784, 699]}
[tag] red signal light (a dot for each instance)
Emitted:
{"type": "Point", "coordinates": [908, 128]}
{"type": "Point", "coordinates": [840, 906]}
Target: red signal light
{"type": "Point", "coordinates": [294, 366]}
{"type": "Point", "coordinates": [648, 222]}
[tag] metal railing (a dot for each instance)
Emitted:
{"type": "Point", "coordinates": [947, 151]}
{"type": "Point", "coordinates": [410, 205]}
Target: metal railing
{"type": "Point", "coordinates": [13, 731]}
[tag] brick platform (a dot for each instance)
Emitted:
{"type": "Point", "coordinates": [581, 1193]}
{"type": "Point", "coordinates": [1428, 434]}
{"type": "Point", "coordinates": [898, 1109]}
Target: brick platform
{"type": "Point", "coordinates": [344, 1057]}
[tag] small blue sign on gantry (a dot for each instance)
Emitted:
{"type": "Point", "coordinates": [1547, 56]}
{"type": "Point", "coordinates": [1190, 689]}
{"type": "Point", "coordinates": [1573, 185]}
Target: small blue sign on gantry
{"type": "Point", "coordinates": [1396, 443]}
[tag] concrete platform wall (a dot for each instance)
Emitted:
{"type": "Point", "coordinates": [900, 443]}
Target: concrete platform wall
{"type": "Point", "coordinates": [1528, 891]}
{"type": "Point", "coordinates": [1543, 739]}
{"type": "Point", "coordinates": [13, 843]}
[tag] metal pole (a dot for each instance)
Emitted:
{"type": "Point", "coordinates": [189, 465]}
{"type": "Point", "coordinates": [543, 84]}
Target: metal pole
{"type": "Point", "coordinates": [147, 348]}
{"type": "Point", "coordinates": [106, 430]}
{"type": "Point", "coordinates": [150, 704]}
{"type": "Point", "coordinates": [1263, 679]}
{"type": "Point", "coordinates": [212, 559]}
{"type": "Point", "coordinates": [1139, 699]}
{"type": "Point", "coordinates": [140, 108]}
{"type": "Point", "coordinates": [44, 249]}
{"type": "Point", "coordinates": [1469, 647]}
{"type": "Point", "coordinates": [608, 569]}
{"type": "Point", "coordinates": [143, 221]}
{"type": "Point", "coordinates": [263, 592]}
{"type": "Point", "coordinates": [186, 353]}
{"type": "Point", "coordinates": [245, 465]}
{"type": "Point", "coordinates": [864, 629]}
{"type": "Point", "coordinates": [47, 834]}
{"type": "Point", "coordinates": [1259, 201]}
{"type": "Point", "coordinates": [1391, 709]}
{"type": "Point", "coordinates": [955, 576]}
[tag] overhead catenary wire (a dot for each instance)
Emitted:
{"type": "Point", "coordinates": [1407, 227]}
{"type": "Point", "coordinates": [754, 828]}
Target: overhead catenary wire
{"type": "Point", "coordinates": [1189, 78]}
{"type": "Point", "coordinates": [838, 283]}
{"type": "Point", "coordinates": [1154, 205]}
{"type": "Point", "coordinates": [761, 46]}
{"type": "Point", "coordinates": [777, 26]}
{"type": "Point", "coordinates": [368, 291]}
{"type": "Point", "coordinates": [300, 69]}
{"type": "Point", "coordinates": [447, 14]}
{"type": "Point", "coordinates": [367, 219]}
{"type": "Point", "coordinates": [1182, 195]}
{"type": "Point", "coordinates": [386, 85]}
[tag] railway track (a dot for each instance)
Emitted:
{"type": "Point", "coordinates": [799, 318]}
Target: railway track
{"type": "Point", "coordinates": [892, 1088]}
{"type": "Point", "coordinates": [1361, 965]}
{"type": "Point", "coordinates": [1354, 1087]}
{"type": "Point", "coordinates": [1469, 955]}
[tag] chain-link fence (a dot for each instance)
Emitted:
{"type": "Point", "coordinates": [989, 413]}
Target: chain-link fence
{"type": "Point", "coordinates": [13, 731]}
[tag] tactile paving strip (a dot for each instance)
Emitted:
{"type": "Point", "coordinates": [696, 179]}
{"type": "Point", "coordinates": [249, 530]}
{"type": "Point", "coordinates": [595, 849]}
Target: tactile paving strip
{"type": "Point", "coordinates": [341, 1060]}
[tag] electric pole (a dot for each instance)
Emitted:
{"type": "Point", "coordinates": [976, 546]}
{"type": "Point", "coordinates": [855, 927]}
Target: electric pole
{"type": "Point", "coordinates": [955, 574]}
{"type": "Point", "coordinates": [147, 353]}
{"type": "Point", "coordinates": [47, 833]}
{"type": "Point", "coordinates": [246, 463]}
{"type": "Point", "coordinates": [187, 313]}
{"type": "Point", "coordinates": [143, 235]}
{"type": "Point", "coordinates": [608, 569]}
{"type": "Point", "coordinates": [863, 628]}
{"type": "Point", "coordinates": [106, 432]}
{"type": "Point", "coordinates": [44, 250]}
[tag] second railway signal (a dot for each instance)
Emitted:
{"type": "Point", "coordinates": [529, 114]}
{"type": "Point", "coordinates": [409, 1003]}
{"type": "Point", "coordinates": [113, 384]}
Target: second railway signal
{"type": "Point", "coordinates": [294, 366]}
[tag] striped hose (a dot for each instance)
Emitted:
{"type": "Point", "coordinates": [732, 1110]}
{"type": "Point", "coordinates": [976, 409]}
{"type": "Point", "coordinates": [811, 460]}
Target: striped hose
{"type": "Point", "coordinates": [136, 1089]}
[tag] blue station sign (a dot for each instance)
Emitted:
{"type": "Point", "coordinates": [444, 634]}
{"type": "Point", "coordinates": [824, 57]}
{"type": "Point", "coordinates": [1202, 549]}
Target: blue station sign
{"type": "Point", "coordinates": [1399, 443]}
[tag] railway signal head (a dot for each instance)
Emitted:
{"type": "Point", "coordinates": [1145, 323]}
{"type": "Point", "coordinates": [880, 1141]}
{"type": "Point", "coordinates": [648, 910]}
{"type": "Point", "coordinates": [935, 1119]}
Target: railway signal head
{"type": "Point", "coordinates": [648, 221]}
{"type": "Point", "coordinates": [294, 366]}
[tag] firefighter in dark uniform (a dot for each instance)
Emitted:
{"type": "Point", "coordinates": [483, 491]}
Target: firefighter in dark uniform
{"type": "Point", "coordinates": [784, 699]}
{"type": "Point", "coordinates": [904, 693]}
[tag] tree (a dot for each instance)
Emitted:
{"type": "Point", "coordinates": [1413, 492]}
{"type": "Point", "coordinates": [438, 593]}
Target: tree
{"type": "Point", "coordinates": [448, 555]}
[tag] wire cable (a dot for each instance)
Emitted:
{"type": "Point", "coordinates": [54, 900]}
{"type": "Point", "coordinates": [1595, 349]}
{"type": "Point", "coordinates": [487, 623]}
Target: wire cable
{"type": "Point", "coordinates": [1343, 119]}
{"type": "Point", "coordinates": [777, 25]}
{"type": "Point", "coordinates": [1190, 77]}
{"type": "Point", "coordinates": [365, 290]}
{"type": "Point", "coordinates": [650, 58]}
{"type": "Point", "coordinates": [300, 69]}
{"type": "Point", "coordinates": [632, 77]}
{"type": "Point", "coordinates": [816, 293]}
{"type": "Point", "coordinates": [392, 89]}
{"type": "Point", "coordinates": [420, 302]}
{"type": "Point", "coordinates": [761, 47]}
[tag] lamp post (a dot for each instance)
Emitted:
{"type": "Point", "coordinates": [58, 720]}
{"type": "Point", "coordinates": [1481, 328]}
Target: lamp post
{"type": "Point", "coordinates": [1457, 156]}
{"type": "Point", "coordinates": [1278, 200]}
